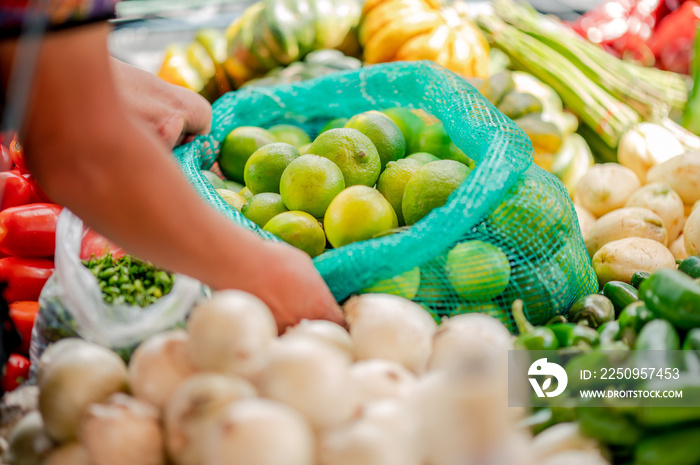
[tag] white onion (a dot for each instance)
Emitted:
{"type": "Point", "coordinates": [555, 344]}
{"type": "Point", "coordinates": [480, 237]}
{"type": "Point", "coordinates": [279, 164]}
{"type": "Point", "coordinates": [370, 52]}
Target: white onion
{"type": "Point", "coordinates": [159, 365]}
{"type": "Point", "coordinates": [560, 438]}
{"type": "Point", "coordinates": [324, 331]}
{"type": "Point", "coordinates": [381, 379]}
{"type": "Point", "coordinates": [391, 328]}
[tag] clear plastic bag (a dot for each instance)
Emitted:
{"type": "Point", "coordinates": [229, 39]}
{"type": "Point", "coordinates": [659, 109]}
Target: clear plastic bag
{"type": "Point", "coordinates": [71, 303]}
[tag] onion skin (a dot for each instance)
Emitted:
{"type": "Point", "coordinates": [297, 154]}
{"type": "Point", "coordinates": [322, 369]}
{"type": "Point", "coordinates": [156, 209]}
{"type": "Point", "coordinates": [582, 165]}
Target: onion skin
{"type": "Point", "coordinates": [626, 222]}
{"type": "Point", "coordinates": [324, 331]}
{"type": "Point", "coordinates": [381, 379]}
{"type": "Point", "coordinates": [123, 431]}
{"type": "Point", "coordinates": [605, 188]}
{"type": "Point", "coordinates": [691, 233]}
{"type": "Point", "coordinates": [619, 260]}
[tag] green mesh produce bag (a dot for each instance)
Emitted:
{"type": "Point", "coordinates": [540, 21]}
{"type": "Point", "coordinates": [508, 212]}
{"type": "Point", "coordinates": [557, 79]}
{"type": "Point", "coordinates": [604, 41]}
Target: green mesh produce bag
{"type": "Point", "coordinates": [506, 201]}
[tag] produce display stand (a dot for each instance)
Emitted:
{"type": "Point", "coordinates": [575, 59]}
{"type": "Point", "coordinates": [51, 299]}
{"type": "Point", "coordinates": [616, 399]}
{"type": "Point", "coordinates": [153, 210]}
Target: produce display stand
{"type": "Point", "coordinates": [503, 197]}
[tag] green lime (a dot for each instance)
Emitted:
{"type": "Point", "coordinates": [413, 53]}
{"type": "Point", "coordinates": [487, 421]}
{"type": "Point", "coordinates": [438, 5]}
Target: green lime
{"type": "Point", "coordinates": [215, 181]}
{"type": "Point", "coordinates": [264, 168]}
{"type": "Point", "coordinates": [290, 134]}
{"type": "Point", "coordinates": [407, 121]}
{"type": "Point", "coordinates": [299, 229]}
{"type": "Point", "coordinates": [392, 183]}
{"type": "Point", "coordinates": [486, 307]}
{"type": "Point", "coordinates": [235, 200]}
{"type": "Point", "coordinates": [310, 183]}
{"type": "Point", "coordinates": [430, 187]}
{"type": "Point", "coordinates": [435, 140]}
{"type": "Point", "coordinates": [477, 270]}
{"type": "Point", "coordinates": [423, 157]}
{"type": "Point", "coordinates": [238, 146]}
{"type": "Point", "coordinates": [353, 152]}
{"type": "Point", "coordinates": [233, 186]}
{"type": "Point", "coordinates": [383, 132]}
{"type": "Point", "coordinates": [263, 207]}
{"type": "Point", "coordinates": [304, 149]}
{"type": "Point", "coordinates": [333, 124]}
{"type": "Point", "coordinates": [404, 285]}
{"type": "Point", "coordinates": [245, 193]}
{"type": "Point", "coordinates": [357, 214]}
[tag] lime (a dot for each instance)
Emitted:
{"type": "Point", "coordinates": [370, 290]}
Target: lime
{"type": "Point", "coordinates": [393, 180]}
{"type": "Point", "coordinates": [304, 149]}
{"type": "Point", "coordinates": [215, 181]}
{"type": "Point", "coordinates": [264, 168]}
{"type": "Point", "coordinates": [238, 146]}
{"type": "Point", "coordinates": [263, 207]}
{"type": "Point", "coordinates": [333, 124]}
{"type": "Point", "coordinates": [477, 270]}
{"type": "Point", "coordinates": [357, 214]}
{"type": "Point", "coordinates": [235, 200]}
{"type": "Point", "coordinates": [290, 134]}
{"type": "Point", "coordinates": [486, 307]}
{"type": "Point", "coordinates": [353, 152]}
{"type": "Point", "coordinates": [407, 121]}
{"type": "Point", "coordinates": [435, 140]}
{"type": "Point", "coordinates": [233, 186]}
{"type": "Point", "coordinates": [403, 285]}
{"type": "Point", "coordinates": [430, 187]}
{"type": "Point", "coordinates": [310, 183]}
{"type": "Point", "coordinates": [383, 132]}
{"type": "Point", "coordinates": [422, 157]}
{"type": "Point", "coordinates": [299, 229]}
{"type": "Point", "coordinates": [245, 193]}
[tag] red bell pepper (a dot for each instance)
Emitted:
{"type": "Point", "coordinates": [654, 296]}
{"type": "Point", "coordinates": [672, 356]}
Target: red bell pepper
{"type": "Point", "coordinates": [6, 163]}
{"type": "Point", "coordinates": [15, 190]}
{"type": "Point", "coordinates": [15, 372]}
{"type": "Point", "coordinates": [29, 230]}
{"type": "Point", "coordinates": [672, 43]}
{"type": "Point", "coordinates": [98, 245]}
{"type": "Point", "coordinates": [23, 315]}
{"type": "Point", "coordinates": [17, 154]}
{"type": "Point", "coordinates": [25, 277]}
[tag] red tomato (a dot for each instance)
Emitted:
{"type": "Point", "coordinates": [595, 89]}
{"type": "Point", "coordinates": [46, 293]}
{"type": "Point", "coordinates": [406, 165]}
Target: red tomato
{"type": "Point", "coordinates": [6, 163]}
{"type": "Point", "coordinates": [98, 245]}
{"type": "Point", "coordinates": [29, 230]}
{"type": "Point", "coordinates": [17, 155]}
{"type": "Point", "coordinates": [38, 195]}
{"type": "Point", "coordinates": [22, 315]}
{"type": "Point", "coordinates": [15, 190]}
{"type": "Point", "coordinates": [25, 277]}
{"type": "Point", "coordinates": [15, 372]}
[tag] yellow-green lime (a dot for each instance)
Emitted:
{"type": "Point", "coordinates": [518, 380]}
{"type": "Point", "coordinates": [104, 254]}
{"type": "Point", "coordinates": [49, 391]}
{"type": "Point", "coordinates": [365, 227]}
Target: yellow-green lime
{"type": "Point", "coordinates": [435, 140]}
{"type": "Point", "coordinates": [477, 270]}
{"type": "Point", "coordinates": [422, 157]}
{"type": "Point", "coordinates": [238, 146]}
{"type": "Point", "coordinates": [333, 124]}
{"type": "Point", "coordinates": [290, 134]}
{"type": "Point", "coordinates": [392, 183]}
{"type": "Point", "coordinates": [261, 208]}
{"type": "Point", "coordinates": [245, 193]}
{"type": "Point", "coordinates": [357, 214]}
{"type": "Point", "coordinates": [486, 307]}
{"type": "Point", "coordinates": [403, 285]}
{"type": "Point", "coordinates": [383, 132]}
{"type": "Point", "coordinates": [233, 186]}
{"type": "Point", "coordinates": [264, 168]}
{"type": "Point", "coordinates": [304, 149]}
{"type": "Point", "coordinates": [430, 188]}
{"type": "Point", "coordinates": [310, 183]}
{"type": "Point", "coordinates": [215, 181]}
{"type": "Point", "coordinates": [299, 229]}
{"type": "Point", "coordinates": [407, 121]}
{"type": "Point", "coordinates": [353, 152]}
{"type": "Point", "coordinates": [235, 200]}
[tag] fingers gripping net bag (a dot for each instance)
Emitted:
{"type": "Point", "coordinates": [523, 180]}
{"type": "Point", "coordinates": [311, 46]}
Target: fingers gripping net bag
{"type": "Point", "coordinates": [508, 232]}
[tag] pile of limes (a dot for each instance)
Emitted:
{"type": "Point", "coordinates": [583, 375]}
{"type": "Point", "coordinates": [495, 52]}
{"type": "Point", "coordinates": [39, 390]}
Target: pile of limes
{"type": "Point", "coordinates": [360, 178]}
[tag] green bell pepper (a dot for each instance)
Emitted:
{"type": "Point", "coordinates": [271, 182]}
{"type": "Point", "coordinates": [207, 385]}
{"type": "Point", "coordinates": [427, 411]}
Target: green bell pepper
{"type": "Point", "coordinates": [609, 426]}
{"type": "Point", "coordinates": [639, 277]}
{"type": "Point", "coordinates": [592, 310]}
{"type": "Point", "coordinates": [675, 447]}
{"type": "Point", "coordinates": [691, 266]}
{"type": "Point", "coordinates": [532, 337]}
{"type": "Point", "coordinates": [620, 294]}
{"type": "Point", "coordinates": [571, 334]}
{"type": "Point", "coordinates": [635, 316]}
{"type": "Point", "coordinates": [658, 334]}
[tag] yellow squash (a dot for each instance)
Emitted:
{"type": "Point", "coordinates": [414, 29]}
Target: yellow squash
{"type": "Point", "coordinates": [408, 30]}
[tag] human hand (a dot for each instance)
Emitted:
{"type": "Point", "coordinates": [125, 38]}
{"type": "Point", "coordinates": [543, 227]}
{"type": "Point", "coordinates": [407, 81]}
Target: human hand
{"type": "Point", "coordinates": [172, 112]}
{"type": "Point", "coordinates": [287, 281]}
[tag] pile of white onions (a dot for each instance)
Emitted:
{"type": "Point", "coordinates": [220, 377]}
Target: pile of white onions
{"type": "Point", "coordinates": [395, 389]}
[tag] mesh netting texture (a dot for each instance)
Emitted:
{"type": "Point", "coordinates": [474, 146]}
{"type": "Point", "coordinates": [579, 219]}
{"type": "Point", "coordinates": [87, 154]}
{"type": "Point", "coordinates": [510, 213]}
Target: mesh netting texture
{"type": "Point", "coordinates": [506, 201]}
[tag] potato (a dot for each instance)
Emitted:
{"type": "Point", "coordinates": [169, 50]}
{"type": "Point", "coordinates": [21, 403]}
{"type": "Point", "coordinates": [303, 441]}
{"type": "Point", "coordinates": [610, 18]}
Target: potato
{"type": "Point", "coordinates": [691, 233]}
{"type": "Point", "coordinates": [678, 248]}
{"type": "Point", "coordinates": [619, 260]}
{"type": "Point", "coordinates": [663, 201]}
{"type": "Point", "coordinates": [682, 174]}
{"type": "Point", "coordinates": [625, 222]}
{"type": "Point", "coordinates": [605, 188]}
{"type": "Point", "coordinates": [585, 220]}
